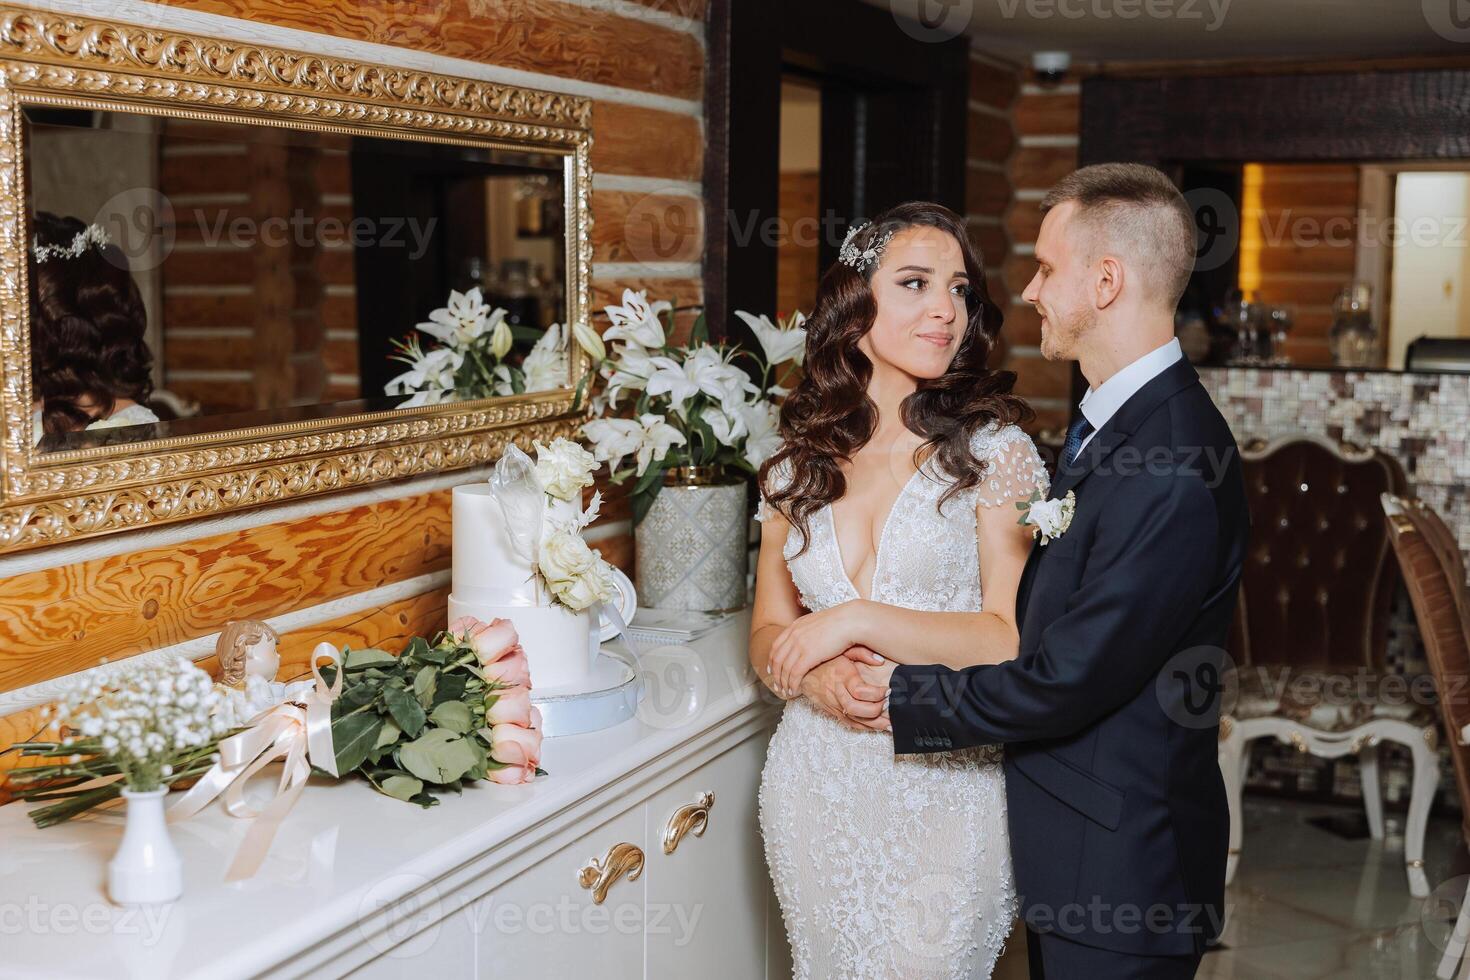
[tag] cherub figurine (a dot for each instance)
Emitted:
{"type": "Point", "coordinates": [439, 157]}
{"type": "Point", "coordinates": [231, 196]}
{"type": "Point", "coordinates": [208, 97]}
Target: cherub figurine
{"type": "Point", "coordinates": [247, 648]}
{"type": "Point", "coordinates": [248, 661]}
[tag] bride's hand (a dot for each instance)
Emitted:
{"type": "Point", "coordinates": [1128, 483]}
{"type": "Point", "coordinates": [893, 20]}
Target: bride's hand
{"type": "Point", "coordinates": [811, 640]}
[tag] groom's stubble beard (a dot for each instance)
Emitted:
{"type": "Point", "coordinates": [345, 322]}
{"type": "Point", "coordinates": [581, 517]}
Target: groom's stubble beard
{"type": "Point", "coordinates": [1062, 341]}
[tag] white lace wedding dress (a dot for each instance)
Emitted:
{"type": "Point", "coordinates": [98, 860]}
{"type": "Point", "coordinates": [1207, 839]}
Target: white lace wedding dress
{"type": "Point", "coordinates": [894, 867]}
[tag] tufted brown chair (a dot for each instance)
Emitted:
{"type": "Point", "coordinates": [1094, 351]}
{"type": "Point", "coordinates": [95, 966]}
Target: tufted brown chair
{"type": "Point", "coordinates": [1434, 571]}
{"type": "Point", "coordinates": [1312, 625]}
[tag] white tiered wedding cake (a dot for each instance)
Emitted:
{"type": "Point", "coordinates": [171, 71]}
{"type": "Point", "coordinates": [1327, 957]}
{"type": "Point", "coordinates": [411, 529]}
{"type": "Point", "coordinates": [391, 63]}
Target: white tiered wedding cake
{"type": "Point", "coordinates": [518, 555]}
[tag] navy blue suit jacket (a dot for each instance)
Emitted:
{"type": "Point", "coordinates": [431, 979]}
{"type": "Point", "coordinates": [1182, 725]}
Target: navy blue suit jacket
{"type": "Point", "coordinates": [1110, 712]}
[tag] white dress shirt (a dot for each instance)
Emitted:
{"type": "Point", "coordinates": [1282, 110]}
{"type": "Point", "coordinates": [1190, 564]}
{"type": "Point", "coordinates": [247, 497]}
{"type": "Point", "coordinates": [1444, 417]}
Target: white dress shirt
{"type": "Point", "coordinates": [1100, 404]}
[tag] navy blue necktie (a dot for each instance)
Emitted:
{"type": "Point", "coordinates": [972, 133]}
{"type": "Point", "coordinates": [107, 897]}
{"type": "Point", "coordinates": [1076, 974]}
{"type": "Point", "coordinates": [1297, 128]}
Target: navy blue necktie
{"type": "Point", "coordinates": [1077, 432]}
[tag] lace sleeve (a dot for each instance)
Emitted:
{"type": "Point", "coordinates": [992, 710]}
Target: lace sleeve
{"type": "Point", "coordinates": [1014, 467]}
{"type": "Point", "coordinates": [779, 476]}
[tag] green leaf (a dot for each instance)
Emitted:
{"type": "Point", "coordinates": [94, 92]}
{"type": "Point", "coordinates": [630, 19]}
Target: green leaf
{"type": "Point", "coordinates": [455, 716]}
{"type": "Point", "coordinates": [405, 709]}
{"type": "Point", "coordinates": [651, 476]}
{"type": "Point", "coordinates": [526, 334]}
{"type": "Point", "coordinates": [699, 333]}
{"type": "Point", "coordinates": [353, 737]}
{"type": "Point", "coordinates": [417, 647]}
{"type": "Point", "coordinates": [362, 659]}
{"type": "Point", "coordinates": [388, 735]}
{"type": "Point", "coordinates": [354, 697]}
{"type": "Point", "coordinates": [423, 684]}
{"type": "Point", "coordinates": [433, 655]}
{"type": "Point", "coordinates": [439, 756]}
{"type": "Point", "coordinates": [450, 687]}
{"type": "Point", "coordinates": [402, 787]}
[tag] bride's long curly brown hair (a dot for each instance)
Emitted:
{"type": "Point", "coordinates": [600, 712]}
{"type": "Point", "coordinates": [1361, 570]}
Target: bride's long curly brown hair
{"type": "Point", "coordinates": [829, 416]}
{"type": "Point", "coordinates": [88, 327]}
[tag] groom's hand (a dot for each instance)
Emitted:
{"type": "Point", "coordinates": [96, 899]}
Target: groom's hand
{"type": "Point", "coordinates": [838, 688]}
{"type": "Point", "coordinates": [875, 677]}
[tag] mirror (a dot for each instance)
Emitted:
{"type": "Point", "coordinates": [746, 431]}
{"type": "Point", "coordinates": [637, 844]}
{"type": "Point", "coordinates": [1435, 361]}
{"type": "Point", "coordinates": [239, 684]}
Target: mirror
{"type": "Point", "coordinates": [236, 240]}
{"type": "Point", "coordinates": [210, 275]}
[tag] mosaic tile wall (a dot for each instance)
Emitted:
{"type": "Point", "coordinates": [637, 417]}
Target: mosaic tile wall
{"type": "Point", "coordinates": [1423, 420]}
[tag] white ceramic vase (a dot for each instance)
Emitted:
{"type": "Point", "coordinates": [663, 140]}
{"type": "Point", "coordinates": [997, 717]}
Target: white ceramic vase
{"type": "Point", "coordinates": [692, 545]}
{"type": "Point", "coordinates": [146, 869]}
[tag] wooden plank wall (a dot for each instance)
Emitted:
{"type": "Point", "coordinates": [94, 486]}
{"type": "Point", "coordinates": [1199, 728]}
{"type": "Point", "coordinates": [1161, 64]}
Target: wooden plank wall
{"type": "Point", "coordinates": [647, 59]}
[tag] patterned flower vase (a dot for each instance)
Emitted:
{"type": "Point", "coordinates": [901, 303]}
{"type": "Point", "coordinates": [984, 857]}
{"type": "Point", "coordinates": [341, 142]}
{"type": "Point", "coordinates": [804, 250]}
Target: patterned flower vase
{"type": "Point", "coordinates": [692, 543]}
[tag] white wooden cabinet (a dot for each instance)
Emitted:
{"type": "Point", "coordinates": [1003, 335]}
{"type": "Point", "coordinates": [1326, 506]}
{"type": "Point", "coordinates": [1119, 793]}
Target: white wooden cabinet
{"type": "Point", "coordinates": [700, 911]}
{"type": "Point", "coordinates": [486, 885]}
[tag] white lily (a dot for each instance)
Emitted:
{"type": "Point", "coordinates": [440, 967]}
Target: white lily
{"type": "Point", "coordinates": [460, 323]}
{"type": "Point", "coordinates": [780, 342]}
{"type": "Point", "coordinates": [436, 369]}
{"type": "Point", "coordinates": [671, 378]}
{"type": "Point", "coordinates": [589, 340]}
{"type": "Point", "coordinates": [762, 420]}
{"type": "Point", "coordinates": [728, 428]}
{"type": "Point", "coordinates": [612, 439]}
{"type": "Point", "coordinates": [632, 369]}
{"type": "Point", "coordinates": [546, 363]}
{"type": "Point", "coordinates": [718, 378]}
{"type": "Point", "coordinates": [637, 320]}
{"type": "Point", "coordinates": [658, 438]}
{"type": "Point", "coordinates": [501, 337]}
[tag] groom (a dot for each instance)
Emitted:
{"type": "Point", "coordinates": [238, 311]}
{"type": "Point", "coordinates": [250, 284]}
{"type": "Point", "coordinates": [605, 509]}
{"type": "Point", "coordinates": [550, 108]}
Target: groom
{"type": "Point", "coordinates": [1109, 713]}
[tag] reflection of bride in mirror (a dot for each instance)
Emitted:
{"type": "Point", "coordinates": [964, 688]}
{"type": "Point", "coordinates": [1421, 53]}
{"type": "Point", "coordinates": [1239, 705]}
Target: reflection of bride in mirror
{"type": "Point", "coordinates": [90, 365]}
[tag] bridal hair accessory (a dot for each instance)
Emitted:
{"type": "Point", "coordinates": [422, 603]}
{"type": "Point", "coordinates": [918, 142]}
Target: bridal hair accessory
{"type": "Point", "coordinates": [860, 258]}
{"type": "Point", "coordinates": [92, 236]}
{"type": "Point", "coordinates": [1048, 519]}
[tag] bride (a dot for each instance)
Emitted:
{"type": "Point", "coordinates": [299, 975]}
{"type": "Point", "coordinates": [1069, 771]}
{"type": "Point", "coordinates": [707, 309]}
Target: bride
{"type": "Point", "coordinates": [890, 867]}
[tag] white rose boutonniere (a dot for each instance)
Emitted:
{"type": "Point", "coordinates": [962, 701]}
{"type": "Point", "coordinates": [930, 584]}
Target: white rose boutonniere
{"type": "Point", "coordinates": [576, 575]}
{"type": "Point", "coordinates": [1049, 518]}
{"type": "Point", "coordinates": [564, 468]}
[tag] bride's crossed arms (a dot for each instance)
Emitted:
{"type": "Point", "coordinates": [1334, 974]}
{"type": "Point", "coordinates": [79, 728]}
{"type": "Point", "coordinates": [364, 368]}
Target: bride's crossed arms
{"type": "Point", "coordinates": [824, 655]}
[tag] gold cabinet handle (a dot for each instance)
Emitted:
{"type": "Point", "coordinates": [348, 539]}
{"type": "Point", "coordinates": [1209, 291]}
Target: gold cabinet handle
{"type": "Point", "coordinates": [690, 818]}
{"type": "Point", "coordinates": [621, 859]}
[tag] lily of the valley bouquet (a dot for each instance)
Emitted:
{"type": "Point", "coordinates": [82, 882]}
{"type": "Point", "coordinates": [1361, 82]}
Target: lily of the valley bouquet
{"type": "Point", "coordinates": [694, 405]}
{"type": "Point", "coordinates": [471, 358]}
{"type": "Point", "coordinates": [546, 534]}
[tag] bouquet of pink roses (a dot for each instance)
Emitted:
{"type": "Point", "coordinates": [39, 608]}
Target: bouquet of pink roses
{"type": "Point", "coordinates": [439, 714]}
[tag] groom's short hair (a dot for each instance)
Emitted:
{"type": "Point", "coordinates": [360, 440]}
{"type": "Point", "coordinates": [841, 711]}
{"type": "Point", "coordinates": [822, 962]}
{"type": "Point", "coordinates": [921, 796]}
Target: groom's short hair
{"type": "Point", "coordinates": [1136, 210]}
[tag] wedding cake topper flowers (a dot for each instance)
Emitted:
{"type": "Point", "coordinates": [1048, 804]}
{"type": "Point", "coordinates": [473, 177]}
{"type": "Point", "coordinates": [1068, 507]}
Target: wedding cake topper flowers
{"type": "Point", "coordinates": [1049, 518]}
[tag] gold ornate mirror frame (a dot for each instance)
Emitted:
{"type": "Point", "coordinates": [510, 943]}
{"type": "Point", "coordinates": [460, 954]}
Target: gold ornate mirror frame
{"type": "Point", "coordinates": [70, 61]}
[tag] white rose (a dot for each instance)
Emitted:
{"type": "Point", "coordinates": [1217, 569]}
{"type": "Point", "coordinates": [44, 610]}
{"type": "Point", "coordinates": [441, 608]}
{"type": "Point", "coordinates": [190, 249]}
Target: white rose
{"type": "Point", "coordinates": [576, 575]}
{"type": "Point", "coordinates": [1052, 517]}
{"type": "Point", "coordinates": [564, 468]}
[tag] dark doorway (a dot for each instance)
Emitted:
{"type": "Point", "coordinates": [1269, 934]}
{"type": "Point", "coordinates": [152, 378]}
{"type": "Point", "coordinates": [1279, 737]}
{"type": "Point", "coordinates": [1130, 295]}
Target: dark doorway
{"type": "Point", "coordinates": [891, 111]}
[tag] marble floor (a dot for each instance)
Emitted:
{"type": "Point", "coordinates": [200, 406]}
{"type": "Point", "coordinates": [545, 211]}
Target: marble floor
{"type": "Point", "coordinates": [1307, 903]}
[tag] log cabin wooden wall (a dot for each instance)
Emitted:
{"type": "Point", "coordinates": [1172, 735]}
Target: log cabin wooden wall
{"type": "Point", "coordinates": [374, 571]}
{"type": "Point", "coordinates": [1046, 123]}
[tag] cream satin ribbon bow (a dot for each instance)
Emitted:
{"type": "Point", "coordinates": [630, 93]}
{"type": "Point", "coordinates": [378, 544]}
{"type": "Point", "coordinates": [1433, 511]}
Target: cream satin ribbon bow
{"type": "Point", "coordinates": [298, 735]}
